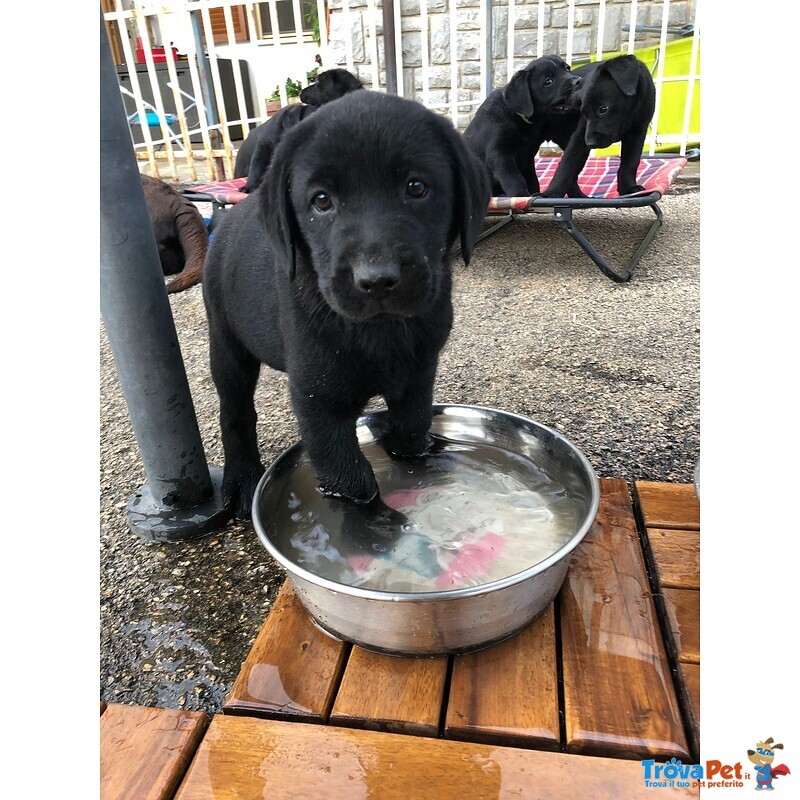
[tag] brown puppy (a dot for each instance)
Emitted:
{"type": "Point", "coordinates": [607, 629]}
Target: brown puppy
{"type": "Point", "coordinates": [181, 233]}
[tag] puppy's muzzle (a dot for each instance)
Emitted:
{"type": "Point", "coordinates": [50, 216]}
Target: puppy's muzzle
{"type": "Point", "coordinates": [376, 281]}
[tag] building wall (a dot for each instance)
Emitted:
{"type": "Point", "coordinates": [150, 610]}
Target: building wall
{"type": "Point", "coordinates": [526, 26]}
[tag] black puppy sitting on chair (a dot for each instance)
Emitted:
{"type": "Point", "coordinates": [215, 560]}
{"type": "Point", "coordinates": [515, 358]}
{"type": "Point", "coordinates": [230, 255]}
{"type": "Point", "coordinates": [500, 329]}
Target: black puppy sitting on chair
{"type": "Point", "coordinates": [538, 104]}
{"type": "Point", "coordinates": [618, 99]}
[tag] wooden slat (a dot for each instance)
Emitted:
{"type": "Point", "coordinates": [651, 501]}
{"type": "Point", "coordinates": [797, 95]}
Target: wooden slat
{"type": "Point", "coordinates": [618, 691]}
{"type": "Point", "coordinates": [508, 694]}
{"type": "Point", "coordinates": [293, 668]}
{"type": "Point", "coordinates": [669, 505]}
{"type": "Point", "coordinates": [144, 752]}
{"type": "Point", "coordinates": [690, 678]}
{"type": "Point", "coordinates": [249, 759]}
{"type": "Point", "coordinates": [683, 615]}
{"type": "Point", "coordinates": [689, 688]}
{"type": "Point", "coordinates": [102, 707]}
{"type": "Point", "coordinates": [676, 554]}
{"type": "Point", "coordinates": [388, 693]}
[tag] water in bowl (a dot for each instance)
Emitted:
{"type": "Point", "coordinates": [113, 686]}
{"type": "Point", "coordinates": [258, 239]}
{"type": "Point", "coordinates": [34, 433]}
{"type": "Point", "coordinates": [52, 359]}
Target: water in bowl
{"type": "Point", "coordinates": [465, 515]}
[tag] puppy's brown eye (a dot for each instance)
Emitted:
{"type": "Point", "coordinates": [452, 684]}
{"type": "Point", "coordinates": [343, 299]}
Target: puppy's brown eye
{"type": "Point", "coordinates": [416, 189]}
{"type": "Point", "coordinates": [602, 110]}
{"type": "Point", "coordinates": [548, 81]}
{"type": "Point", "coordinates": [322, 201]}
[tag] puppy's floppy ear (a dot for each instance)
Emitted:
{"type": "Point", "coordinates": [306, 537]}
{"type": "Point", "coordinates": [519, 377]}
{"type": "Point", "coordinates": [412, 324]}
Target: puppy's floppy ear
{"type": "Point", "coordinates": [277, 211]}
{"type": "Point", "coordinates": [625, 72]}
{"type": "Point", "coordinates": [517, 94]}
{"type": "Point", "coordinates": [472, 192]}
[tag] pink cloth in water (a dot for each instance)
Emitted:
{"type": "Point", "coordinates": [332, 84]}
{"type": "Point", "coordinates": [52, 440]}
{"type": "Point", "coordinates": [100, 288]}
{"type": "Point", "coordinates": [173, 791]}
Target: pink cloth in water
{"type": "Point", "coordinates": [403, 498]}
{"type": "Point", "coordinates": [473, 559]}
{"type": "Point", "coordinates": [360, 564]}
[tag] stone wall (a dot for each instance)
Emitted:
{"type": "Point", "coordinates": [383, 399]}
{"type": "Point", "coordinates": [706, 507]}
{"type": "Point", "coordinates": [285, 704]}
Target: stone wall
{"type": "Point", "coordinates": [468, 40]}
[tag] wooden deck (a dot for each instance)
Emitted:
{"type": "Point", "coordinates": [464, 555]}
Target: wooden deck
{"type": "Point", "coordinates": [608, 676]}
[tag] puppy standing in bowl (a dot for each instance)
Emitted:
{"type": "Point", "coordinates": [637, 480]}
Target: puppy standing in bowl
{"type": "Point", "coordinates": [336, 271]}
{"type": "Point", "coordinates": [617, 101]}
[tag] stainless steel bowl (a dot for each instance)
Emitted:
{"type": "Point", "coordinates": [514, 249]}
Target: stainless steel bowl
{"type": "Point", "coordinates": [456, 620]}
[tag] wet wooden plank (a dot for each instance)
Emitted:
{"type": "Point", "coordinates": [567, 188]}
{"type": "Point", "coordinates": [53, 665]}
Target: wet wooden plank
{"type": "Point", "coordinates": [689, 686]}
{"type": "Point", "coordinates": [676, 555]}
{"type": "Point", "coordinates": [669, 505]}
{"type": "Point", "coordinates": [389, 693]}
{"type": "Point", "coordinates": [293, 668]}
{"type": "Point", "coordinates": [683, 617]}
{"type": "Point", "coordinates": [249, 759]}
{"type": "Point", "coordinates": [144, 752]}
{"type": "Point", "coordinates": [619, 695]}
{"type": "Point", "coordinates": [508, 694]}
{"type": "Point", "coordinates": [690, 677]}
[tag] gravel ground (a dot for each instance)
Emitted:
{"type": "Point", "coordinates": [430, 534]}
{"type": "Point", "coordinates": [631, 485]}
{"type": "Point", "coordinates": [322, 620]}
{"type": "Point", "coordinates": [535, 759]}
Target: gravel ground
{"type": "Point", "coordinates": [539, 331]}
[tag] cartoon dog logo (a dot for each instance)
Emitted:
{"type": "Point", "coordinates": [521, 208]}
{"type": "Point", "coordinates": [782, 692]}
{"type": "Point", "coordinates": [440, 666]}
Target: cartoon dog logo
{"type": "Point", "coordinates": [762, 757]}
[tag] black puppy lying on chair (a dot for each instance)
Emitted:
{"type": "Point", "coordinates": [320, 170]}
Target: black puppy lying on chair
{"type": "Point", "coordinates": [538, 104]}
{"type": "Point", "coordinates": [254, 155]}
{"type": "Point", "coordinates": [618, 99]}
{"type": "Point", "coordinates": [336, 271]}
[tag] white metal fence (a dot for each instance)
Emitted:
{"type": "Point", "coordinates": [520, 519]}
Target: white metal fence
{"type": "Point", "coordinates": [197, 75]}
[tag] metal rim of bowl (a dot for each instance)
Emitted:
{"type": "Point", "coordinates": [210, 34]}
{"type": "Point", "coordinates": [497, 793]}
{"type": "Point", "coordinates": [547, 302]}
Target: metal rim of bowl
{"type": "Point", "coordinates": [373, 594]}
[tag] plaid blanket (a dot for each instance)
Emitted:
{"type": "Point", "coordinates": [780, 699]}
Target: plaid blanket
{"type": "Point", "coordinates": [598, 179]}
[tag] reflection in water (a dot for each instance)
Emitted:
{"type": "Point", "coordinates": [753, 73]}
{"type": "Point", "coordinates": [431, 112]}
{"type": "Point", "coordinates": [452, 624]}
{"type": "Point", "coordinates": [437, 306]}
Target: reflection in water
{"type": "Point", "coordinates": [464, 515]}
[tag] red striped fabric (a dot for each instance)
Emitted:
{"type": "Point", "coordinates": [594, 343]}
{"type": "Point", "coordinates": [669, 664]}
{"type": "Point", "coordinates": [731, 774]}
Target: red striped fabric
{"type": "Point", "coordinates": [598, 179]}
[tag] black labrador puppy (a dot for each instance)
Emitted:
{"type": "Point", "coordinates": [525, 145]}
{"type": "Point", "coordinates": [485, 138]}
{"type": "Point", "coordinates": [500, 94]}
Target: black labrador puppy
{"type": "Point", "coordinates": [336, 271]}
{"type": "Point", "coordinates": [256, 151]}
{"type": "Point", "coordinates": [180, 231]}
{"type": "Point", "coordinates": [618, 99]}
{"type": "Point", "coordinates": [330, 85]}
{"type": "Point", "coordinates": [538, 104]}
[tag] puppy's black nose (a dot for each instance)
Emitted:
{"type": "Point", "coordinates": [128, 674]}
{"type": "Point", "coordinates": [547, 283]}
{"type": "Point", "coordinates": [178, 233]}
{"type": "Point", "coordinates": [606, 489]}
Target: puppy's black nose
{"type": "Point", "coordinates": [376, 279]}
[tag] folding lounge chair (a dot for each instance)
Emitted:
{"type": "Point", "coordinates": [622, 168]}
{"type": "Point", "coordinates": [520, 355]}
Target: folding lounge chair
{"type": "Point", "coordinates": [598, 180]}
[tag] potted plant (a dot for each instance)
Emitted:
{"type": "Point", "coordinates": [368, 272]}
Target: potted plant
{"type": "Point", "coordinates": [293, 89]}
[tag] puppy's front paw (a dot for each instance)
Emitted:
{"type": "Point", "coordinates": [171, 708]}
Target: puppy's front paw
{"type": "Point", "coordinates": [248, 188]}
{"type": "Point", "coordinates": [238, 487]}
{"type": "Point", "coordinates": [407, 445]}
{"type": "Point", "coordinates": [631, 189]}
{"type": "Point", "coordinates": [357, 484]}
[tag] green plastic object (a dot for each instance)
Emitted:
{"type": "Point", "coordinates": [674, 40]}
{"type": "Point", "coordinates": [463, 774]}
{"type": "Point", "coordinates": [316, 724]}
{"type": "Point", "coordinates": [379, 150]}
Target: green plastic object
{"type": "Point", "coordinates": [673, 93]}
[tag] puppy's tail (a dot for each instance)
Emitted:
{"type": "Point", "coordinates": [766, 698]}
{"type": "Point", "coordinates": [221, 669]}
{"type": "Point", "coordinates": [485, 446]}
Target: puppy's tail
{"type": "Point", "coordinates": [193, 236]}
{"type": "Point", "coordinates": [190, 276]}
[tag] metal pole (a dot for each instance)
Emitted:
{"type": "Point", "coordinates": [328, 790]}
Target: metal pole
{"type": "Point", "coordinates": [389, 51]}
{"type": "Point", "coordinates": [180, 500]}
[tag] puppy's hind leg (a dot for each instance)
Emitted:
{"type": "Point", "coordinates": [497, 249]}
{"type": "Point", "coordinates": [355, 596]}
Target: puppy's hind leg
{"type": "Point", "coordinates": [235, 373]}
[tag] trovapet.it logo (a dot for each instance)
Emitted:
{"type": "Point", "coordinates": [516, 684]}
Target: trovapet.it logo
{"type": "Point", "coordinates": [674, 774]}
{"type": "Point", "coordinates": [716, 774]}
